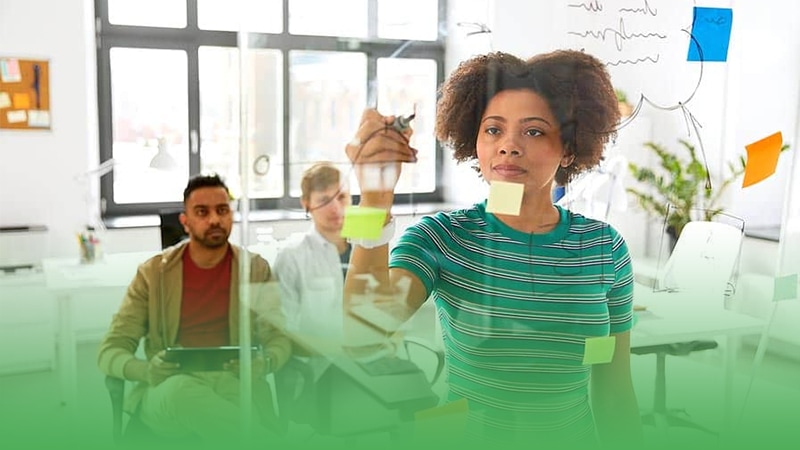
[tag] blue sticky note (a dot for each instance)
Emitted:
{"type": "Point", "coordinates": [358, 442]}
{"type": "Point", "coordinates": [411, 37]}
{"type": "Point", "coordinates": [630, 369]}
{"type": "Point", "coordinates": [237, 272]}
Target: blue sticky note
{"type": "Point", "coordinates": [785, 288]}
{"type": "Point", "coordinates": [711, 30]}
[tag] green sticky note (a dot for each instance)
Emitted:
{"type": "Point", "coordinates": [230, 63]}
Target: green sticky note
{"type": "Point", "coordinates": [363, 222]}
{"type": "Point", "coordinates": [599, 350]}
{"type": "Point", "coordinates": [785, 288]}
{"type": "Point", "coordinates": [505, 198]}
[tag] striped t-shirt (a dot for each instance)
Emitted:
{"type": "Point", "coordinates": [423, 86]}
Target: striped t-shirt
{"type": "Point", "coordinates": [516, 309]}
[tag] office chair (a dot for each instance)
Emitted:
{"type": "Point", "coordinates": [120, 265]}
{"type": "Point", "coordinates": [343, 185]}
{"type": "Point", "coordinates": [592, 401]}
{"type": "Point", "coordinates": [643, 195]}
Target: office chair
{"type": "Point", "coordinates": [704, 260]}
{"type": "Point", "coordinates": [172, 231]}
{"type": "Point", "coordinates": [133, 431]}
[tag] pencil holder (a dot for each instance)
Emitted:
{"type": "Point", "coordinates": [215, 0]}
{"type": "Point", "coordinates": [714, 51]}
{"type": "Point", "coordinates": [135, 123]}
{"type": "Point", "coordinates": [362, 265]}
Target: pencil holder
{"type": "Point", "coordinates": [89, 246]}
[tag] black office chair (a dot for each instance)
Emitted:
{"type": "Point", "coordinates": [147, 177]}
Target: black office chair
{"type": "Point", "coordinates": [171, 228]}
{"type": "Point", "coordinates": [706, 254]}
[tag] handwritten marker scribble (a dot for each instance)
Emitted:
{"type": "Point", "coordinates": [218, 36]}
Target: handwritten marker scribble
{"type": "Point", "coordinates": [644, 10]}
{"type": "Point", "coordinates": [593, 6]}
{"type": "Point", "coordinates": [620, 35]}
{"type": "Point", "coordinates": [634, 61]}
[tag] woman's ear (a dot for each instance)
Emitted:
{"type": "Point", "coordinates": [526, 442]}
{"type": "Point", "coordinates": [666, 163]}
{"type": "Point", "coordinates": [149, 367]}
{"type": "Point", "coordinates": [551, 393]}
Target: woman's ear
{"type": "Point", "coordinates": [567, 160]}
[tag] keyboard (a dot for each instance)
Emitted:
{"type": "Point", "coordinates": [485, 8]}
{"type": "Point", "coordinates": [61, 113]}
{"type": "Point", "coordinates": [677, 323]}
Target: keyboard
{"type": "Point", "coordinates": [389, 366]}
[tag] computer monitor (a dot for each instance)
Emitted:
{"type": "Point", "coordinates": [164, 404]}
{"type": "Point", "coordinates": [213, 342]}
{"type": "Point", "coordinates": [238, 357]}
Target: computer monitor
{"type": "Point", "coordinates": [172, 231]}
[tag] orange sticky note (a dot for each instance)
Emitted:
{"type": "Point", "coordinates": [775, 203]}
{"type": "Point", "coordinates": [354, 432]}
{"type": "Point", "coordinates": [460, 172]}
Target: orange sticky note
{"type": "Point", "coordinates": [505, 198]}
{"type": "Point", "coordinates": [22, 100]}
{"type": "Point", "coordinates": [762, 159]}
{"type": "Point", "coordinates": [363, 223]}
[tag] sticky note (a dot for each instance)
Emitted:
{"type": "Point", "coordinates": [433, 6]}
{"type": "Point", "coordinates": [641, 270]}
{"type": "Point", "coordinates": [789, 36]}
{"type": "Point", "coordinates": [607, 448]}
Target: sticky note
{"type": "Point", "coordinates": [5, 100]}
{"type": "Point", "coordinates": [711, 34]}
{"type": "Point", "coordinates": [38, 119]}
{"type": "Point", "coordinates": [363, 222]}
{"type": "Point", "coordinates": [505, 198]}
{"type": "Point", "coordinates": [448, 419]}
{"type": "Point", "coordinates": [785, 288]}
{"type": "Point", "coordinates": [16, 116]}
{"type": "Point", "coordinates": [9, 71]}
{"type": "Point", "coordinates": [22, 100]}
{"type": "Point", "coordinates": [599, 350]}
{"type": "Point", "coordinates": [762, 159]}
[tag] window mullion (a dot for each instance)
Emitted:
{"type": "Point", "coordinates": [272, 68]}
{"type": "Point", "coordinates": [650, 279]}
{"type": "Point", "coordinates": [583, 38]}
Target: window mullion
{"type": "Point", "coordinates": [287, 158]}
{"type": "Point", "coordinates": [193, 74]}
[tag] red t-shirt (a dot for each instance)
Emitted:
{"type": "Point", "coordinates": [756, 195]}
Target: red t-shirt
{"type": "Point", "coordinates": [205, 301]}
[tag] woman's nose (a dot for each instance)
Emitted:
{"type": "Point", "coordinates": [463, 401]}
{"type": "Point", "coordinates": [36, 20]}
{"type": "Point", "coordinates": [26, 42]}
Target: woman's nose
{"type": "Point", "coordinates": [510, 146]}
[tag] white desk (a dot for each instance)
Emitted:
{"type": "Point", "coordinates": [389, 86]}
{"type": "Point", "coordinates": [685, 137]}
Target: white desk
{"type": "Point", "coordinates": [67, 278]}
{"type": "Point", "coordinates": [684, 316]}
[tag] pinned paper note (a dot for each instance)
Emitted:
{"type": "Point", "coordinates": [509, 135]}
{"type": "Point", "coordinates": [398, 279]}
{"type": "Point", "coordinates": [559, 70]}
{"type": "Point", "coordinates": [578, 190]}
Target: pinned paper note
{"type": "Point", "coordinates": [711, 34]}
{"type": "Point", "coordinates": [762, 159]}
{"type": "Point", "coordinates": [599, 350]}
{"type": "Point", "coordinates": [38, 119]}
{"type": "Point", "coordinates": [785, 288]}
{"type": "Point", "coordinates": [16, 116]}
{"type": "Point", "coordinates": [22, 100]}
{"type": "Point", "coordinates": [9, 71]}
{"type": "Point", "coordinates": [5, 100]}
{"type": "Point", "coordinates": [505, 198]}
{"type": "Point", "coordinates": [363, 222]}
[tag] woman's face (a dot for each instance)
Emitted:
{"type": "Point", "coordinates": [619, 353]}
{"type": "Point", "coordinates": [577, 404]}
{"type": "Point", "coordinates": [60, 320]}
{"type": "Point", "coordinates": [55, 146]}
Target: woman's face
{"type": "Point", "coordinates": [519, 141]}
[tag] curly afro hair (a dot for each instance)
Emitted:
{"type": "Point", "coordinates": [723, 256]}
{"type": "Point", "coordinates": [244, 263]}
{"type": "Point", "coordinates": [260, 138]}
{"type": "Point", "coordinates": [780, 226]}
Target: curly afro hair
{"type": "Point", "coordinates": [575, 85]}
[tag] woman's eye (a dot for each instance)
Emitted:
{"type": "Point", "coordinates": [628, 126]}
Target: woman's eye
{"type": "Point", "coordinates": [492, 130]}
{"type": "Point", "coordinates": [533, 132]}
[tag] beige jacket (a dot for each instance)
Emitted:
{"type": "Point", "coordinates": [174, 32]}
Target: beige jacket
{"type": "Point", "coordinates": [152, 305]}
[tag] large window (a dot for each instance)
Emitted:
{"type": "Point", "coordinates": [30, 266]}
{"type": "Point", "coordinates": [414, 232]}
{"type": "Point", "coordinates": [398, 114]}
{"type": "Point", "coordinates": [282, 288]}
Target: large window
{"type": "Point", "coordinates": [170, 87]}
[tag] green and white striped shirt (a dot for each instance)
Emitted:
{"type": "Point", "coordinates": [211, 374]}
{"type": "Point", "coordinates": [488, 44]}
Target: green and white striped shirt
{"type": "Point", "coordinates": [516, 309]}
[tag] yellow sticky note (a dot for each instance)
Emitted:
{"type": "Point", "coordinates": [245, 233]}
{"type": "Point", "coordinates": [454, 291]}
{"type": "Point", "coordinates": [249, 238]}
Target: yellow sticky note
{"type": "Point", "coordinates": [762, 158]}
{"type": "Point", "coordinates": [785, 288]}
{"type": "Point", "coordinates": [450, 418]}
{"type": "Point", "coordinates": [599, 350]}
{"type": "Point", "coordinates": [505, 198]}
{"type": "Point", "coordinates": [363, 222]}
{"type": "Point", "coordinates": [5, 100]}
{"type": "Point", "coordinates": [22, 100]}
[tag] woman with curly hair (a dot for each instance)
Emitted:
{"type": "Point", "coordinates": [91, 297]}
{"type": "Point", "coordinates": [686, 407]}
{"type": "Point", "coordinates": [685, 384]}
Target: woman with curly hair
{"type": "Point", "coordinates": [522, 299]}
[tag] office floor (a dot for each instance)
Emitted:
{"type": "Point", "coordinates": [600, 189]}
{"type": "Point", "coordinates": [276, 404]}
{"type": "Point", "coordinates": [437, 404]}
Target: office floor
{"type": "Point", "coordinates": [29, 402]}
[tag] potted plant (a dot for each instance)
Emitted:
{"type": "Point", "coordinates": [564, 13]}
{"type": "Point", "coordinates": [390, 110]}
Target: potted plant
{"type": "Point", "coordinates": [677, 188]}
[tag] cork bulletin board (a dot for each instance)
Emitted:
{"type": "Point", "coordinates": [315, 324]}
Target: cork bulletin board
{"type": "Point", "coordinates": [24, 94]}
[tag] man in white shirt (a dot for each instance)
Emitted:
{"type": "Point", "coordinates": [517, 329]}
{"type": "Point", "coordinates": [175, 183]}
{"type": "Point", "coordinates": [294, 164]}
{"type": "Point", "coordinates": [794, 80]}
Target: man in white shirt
{"type": "Point", "coordinates": [311, 275]}
{"type": "Point", "coordinates": [311, 271]}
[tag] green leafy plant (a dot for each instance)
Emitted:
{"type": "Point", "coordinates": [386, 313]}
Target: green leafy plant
{"type": "Point", "coordinates": [677, 188]}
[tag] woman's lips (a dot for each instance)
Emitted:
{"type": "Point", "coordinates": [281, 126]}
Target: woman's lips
{"type": "Point", "coordinates": [508, 170]}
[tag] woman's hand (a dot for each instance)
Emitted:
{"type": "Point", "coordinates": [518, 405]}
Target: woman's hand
{"type": "Point", "coordinates": [378, 150]}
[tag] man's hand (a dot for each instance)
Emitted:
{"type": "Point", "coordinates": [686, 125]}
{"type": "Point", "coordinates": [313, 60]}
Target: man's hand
{"type": "Point", "coordinates": [261, 366]}
{"type": "Point", "coordinates": [378, 150]}
{"type": "Point", "coordinates": [159, 370]}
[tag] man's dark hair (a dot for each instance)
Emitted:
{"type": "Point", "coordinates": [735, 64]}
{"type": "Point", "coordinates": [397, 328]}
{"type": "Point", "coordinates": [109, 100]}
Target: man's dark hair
{"type": "Point", "coordinates": [204, 181]}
